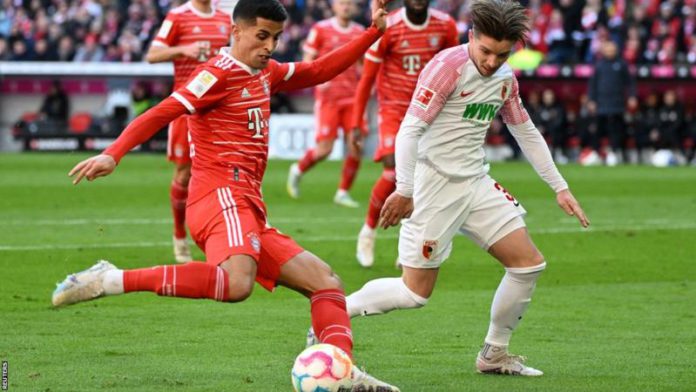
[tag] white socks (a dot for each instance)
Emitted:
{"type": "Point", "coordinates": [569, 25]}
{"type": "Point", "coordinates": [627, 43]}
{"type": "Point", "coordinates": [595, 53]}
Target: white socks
{"type": "Point", "coordinates": [113, 282]}
{"type": "Point", "coordinates": [511, 300]}
{"type": "Point", "coordinates": [381, 296]}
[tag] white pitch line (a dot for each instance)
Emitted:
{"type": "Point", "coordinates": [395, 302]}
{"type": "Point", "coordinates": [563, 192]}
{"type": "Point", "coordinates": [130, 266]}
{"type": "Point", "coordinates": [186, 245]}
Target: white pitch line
{"type": "Point", "coordinates": [138, 221]}
{"type": "Point", "coordinates": [344, 238]}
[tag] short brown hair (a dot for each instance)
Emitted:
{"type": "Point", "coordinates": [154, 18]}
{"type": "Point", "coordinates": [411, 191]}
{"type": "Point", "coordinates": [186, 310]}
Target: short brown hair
{"type": "Point", "coordinates": [500, 19]}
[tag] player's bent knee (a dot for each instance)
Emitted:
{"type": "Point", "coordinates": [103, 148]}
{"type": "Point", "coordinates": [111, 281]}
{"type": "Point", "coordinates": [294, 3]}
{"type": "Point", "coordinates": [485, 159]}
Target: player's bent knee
{"type": "Point", "coordinates": [240, 291]}
{"type": "Point", "coordinates": [323, 279]}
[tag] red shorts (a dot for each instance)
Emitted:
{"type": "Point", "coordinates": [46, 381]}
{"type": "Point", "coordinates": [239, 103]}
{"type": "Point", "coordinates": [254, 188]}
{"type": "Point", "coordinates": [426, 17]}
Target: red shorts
{"type": "Point", "coordinates": [388, 128]}
{"type": "Point", "coordinates": [329, 118]}
{"type": "Point", "coordinates": [224, 224]}
{"type": "Point", "coordinates": [178, 141]}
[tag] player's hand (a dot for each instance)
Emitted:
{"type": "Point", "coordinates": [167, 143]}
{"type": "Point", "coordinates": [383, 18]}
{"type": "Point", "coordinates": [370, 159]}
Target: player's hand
{"type": "Point", "coordinates": [395, 209]}
{"type": "Point", "coordinates": [567, 202]}
{"type": "Point", "coordinates": [355, 142]}
{"type": "Point", "coordinates": [191, 50]}
{"type": "Point", "coordinates": [91, 168]}
{"type": "Point", "coordinates": [379, 14]}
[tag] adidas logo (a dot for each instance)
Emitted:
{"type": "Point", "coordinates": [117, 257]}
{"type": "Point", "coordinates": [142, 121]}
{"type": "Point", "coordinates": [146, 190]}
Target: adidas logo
{"type": "Point", "coordinates": [196, 30]}
{"type": "Point", "coordinates": [404, 44]}
{"type": "Point", "coordinates": [245, 93]}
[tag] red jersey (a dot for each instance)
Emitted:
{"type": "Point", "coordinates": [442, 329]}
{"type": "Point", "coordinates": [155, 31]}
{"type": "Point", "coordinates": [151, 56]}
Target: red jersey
{"type": "Point", "coordinates": [185, 25]}
{"type": "Point", "coordinates": [324, 37]}
{"type": "Point", "coordinates": [403, 51]}
{"type": "Point", "coordinates": [229, 103]}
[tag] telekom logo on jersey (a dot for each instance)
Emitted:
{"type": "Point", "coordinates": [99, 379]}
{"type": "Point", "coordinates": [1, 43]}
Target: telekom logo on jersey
{"type": "Point", "coordinates": [256, 121]}
{"type": "Point", "coordinates": [412, 64]}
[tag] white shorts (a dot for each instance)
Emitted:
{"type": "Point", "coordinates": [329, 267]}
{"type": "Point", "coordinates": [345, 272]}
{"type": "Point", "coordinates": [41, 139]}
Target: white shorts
{"type": "Point", "coordinates": [477, 207]}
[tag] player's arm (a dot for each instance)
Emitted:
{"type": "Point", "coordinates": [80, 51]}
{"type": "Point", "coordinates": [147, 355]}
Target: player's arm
{"type": "Point", "coordinates": [205, 88]}
{"type": "Point", "coordinates": [160, 54]}
{"type": "Point", "coordinates": [538, 154]}
{"type": "Point", "coordinates": [164, 46]}
{"type": "Point", "coordinates": [310, 49]}
{"type": "Point", "coordinates": [137, 132]}
{"type": "Point", "coordinates": [435, 84]}
{"type": "Point", "coordinates": [302, 75]}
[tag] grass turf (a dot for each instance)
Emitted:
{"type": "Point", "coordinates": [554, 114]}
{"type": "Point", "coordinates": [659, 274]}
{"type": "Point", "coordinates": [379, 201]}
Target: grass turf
{"type": "Point", "coordinates": [613, 311]}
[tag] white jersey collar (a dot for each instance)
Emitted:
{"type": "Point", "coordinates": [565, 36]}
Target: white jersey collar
{"type": "Point", "coordinates": [227, 52]}
{"type": "Point", "coordinates": [199, 13]}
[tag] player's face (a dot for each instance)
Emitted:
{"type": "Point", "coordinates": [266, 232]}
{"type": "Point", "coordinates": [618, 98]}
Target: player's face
{"type": "Point", "coordinates": [487, 53]}
{"type": "Point", "coordinates": [343, 9]}
{"type": "Point", "coordinates": [416, 6]}
{"type": "Point", "coordinates": [255, 42]}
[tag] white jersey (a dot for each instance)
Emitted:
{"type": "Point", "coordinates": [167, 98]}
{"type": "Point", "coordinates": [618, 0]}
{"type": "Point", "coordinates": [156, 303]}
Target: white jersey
{"type": "Point", "coordinates": [450, 113]}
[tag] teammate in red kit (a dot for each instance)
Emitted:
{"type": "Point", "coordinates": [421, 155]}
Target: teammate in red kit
{"type": "Point", "coordinates": [415, 33]}
{"type": "Point", "coordinates": [333, 103]}
{"type": "Point", "coordinates": [229, 100]}
{"type": "Point", "coordinates": [189, 36]}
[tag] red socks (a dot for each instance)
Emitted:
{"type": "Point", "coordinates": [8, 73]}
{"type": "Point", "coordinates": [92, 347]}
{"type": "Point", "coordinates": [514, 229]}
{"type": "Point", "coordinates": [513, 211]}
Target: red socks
{"type": "Point", "coordinates": [350, 171]}
{"type": "Point", "coordinates": [307, 161]}
{"type": "Point", "coordinates": [384, 187]}
{"type": "Point", "coordinates": [330, 319]}
{"type": "Point", "coordinates": [178, 195]}
{"type": "Point", "coordinates": [190, 280]}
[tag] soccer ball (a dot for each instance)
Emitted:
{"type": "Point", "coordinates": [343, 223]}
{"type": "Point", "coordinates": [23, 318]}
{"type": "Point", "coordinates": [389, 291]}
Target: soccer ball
{"type": "Point", "coordinates": [322, 368]}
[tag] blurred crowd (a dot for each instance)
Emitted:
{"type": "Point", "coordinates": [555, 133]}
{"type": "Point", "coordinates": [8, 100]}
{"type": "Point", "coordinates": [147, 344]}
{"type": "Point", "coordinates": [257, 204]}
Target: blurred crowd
{"type": "Point", "coordinates": [564, 31]}
{"type": "Point", "coordinates": [657, 130]}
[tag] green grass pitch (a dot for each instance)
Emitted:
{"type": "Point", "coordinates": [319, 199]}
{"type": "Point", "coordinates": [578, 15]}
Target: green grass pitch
{"type": "Point", "coordinates": [614, 311]}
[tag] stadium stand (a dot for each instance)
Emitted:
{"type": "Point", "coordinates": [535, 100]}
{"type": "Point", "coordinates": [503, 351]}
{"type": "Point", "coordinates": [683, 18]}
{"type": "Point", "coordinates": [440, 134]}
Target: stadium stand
{"type": "Point", "coordinates": [657, 38]}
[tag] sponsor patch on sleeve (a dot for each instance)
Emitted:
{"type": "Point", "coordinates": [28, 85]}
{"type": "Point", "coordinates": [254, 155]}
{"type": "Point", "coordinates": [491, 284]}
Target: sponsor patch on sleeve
{"type": "Point", "coordinates": [423, 97]}
{"type": "Point", "coordinates": [201, 83]}
{"type": "Point", "coordinates": [164, 30]}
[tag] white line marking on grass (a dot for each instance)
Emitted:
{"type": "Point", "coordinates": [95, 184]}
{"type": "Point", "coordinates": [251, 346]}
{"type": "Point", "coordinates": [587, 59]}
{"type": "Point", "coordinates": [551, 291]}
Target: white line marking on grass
{"type": "Point", "coordinates": [137, 221]}
{"type": "Point", "coordinates": [343, 238]}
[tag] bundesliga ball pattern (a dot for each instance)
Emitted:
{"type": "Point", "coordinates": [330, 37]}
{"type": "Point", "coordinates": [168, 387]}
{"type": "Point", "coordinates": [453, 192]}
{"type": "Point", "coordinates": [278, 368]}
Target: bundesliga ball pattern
{"type": "Point", "coordinates": [322, 368]}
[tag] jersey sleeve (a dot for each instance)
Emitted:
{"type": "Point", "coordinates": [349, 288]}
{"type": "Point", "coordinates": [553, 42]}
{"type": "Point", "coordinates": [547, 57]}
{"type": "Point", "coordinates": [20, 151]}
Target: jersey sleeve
{"type": "Point", "coordinates": [206, 87]}
{"type": "Point", "coordinates": [299, 75]}
{"type": "Point", "coordinates": [313, 42]}
{"type": "Point", "coordinates": [168, 32]}
{"type": "Point", "coordinates": [512, 112]}
{"type": "Point", "coordinates": [378, 50]}
{"type": "Point", "coordinates": [435, 84]}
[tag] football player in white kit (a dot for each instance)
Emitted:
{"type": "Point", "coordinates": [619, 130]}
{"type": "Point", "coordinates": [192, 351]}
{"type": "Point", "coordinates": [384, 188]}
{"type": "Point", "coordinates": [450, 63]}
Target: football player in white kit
{"type": "Point", "coordinates": [443, 184]}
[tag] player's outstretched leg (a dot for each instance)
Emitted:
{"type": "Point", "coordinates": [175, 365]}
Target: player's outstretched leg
{"type": "Point", "coordinates": [307, 274]}
{"type": "Point", "coordinates": [190, 280]}
{"type": "Point", "coordinates": [82, 286]}
{"type": "Point", "coordinates": [385, 185]}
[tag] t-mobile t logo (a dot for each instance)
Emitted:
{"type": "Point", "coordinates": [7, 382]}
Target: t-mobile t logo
{"type": "Point", "coordinates": [412, 64]}
{"type": "Point", "coordinates": [256, 122]}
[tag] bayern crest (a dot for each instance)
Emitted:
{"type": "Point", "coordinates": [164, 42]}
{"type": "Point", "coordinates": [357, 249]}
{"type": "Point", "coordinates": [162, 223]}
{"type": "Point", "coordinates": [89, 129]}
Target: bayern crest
{"type": "Point", "coordinates": [254, 241]}
{"type": "Point", "coordinates": [434, 41]}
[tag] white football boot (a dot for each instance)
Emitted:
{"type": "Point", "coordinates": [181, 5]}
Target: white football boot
{"type": "Point", "coordinates": [496, 360]}
{"type": "Point", "coordinates": [342, 198]}
{"type": "Point", "coordinates": [311, 338]}
{"type": "Point", "coordinates": [182, 251]}
{"type": "Point", "coordinates": [293, 184]}
{"type": "Point", "coordinates": [363, 382]}
{"type": "Point", "coordinates": [82, 286]}
{"type": "Point", "coordinates": [365, 252]}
